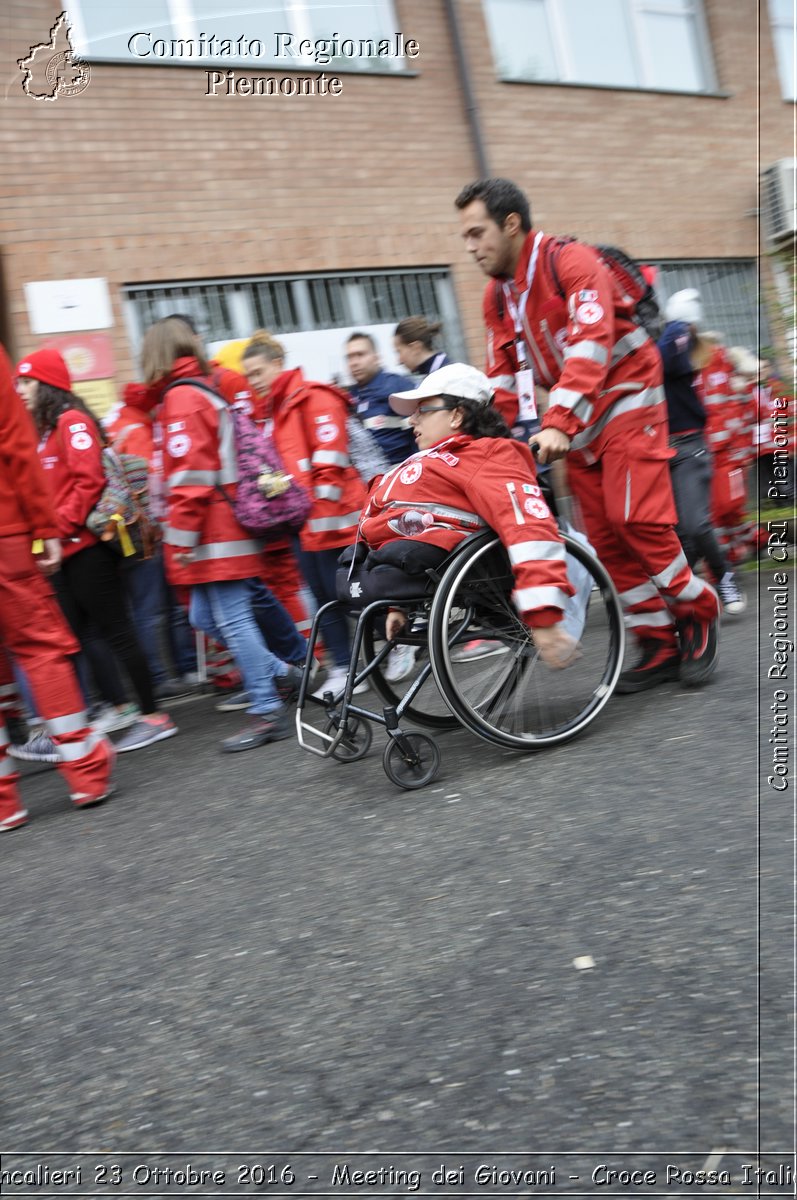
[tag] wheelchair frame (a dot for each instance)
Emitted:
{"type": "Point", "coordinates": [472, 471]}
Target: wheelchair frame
{"type": "Point", "coordinates": [412, 760]}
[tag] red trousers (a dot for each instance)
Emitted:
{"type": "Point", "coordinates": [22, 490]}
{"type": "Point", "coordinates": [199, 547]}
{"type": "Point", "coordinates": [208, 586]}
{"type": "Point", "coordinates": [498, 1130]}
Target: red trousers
{"type": "Point", "coordinates": [623, 489]}
{"type": "Point", "coordinates": [34, 632]}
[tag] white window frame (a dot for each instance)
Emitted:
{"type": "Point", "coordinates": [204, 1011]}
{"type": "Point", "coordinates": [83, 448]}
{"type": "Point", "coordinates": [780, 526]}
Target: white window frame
{"type": "Point", "coordinates": [299, 23]}
{"type": "Point", "coordinates": [693, 10]}
{"type": "Point", "coordinates": [776, 25]}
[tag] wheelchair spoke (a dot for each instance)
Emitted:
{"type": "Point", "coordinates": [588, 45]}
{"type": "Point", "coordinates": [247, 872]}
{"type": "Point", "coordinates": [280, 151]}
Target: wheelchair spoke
{"type": "Point", "coordinates": [503, 690]}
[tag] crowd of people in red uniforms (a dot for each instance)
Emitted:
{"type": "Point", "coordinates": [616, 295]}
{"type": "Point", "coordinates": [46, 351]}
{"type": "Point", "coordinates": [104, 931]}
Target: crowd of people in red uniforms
{"type": "Point", "coordinates": [555, 327]}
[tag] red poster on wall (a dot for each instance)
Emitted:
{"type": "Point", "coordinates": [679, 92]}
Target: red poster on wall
{"type": "Point", "coordinates": [88, 355]}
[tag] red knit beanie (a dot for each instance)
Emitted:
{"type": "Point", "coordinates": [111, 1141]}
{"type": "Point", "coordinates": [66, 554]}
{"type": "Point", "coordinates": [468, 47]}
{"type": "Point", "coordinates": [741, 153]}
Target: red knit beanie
{"type": "Point", "coordinates": [48, 367]}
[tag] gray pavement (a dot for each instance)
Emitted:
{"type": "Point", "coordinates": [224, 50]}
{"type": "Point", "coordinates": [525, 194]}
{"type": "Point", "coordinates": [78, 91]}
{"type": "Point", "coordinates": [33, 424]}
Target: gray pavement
{"type": "Point", "coordinates": [268, 953]}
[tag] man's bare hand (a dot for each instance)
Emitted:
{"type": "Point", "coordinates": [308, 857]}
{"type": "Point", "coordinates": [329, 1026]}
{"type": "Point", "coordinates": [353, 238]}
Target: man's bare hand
{"type": "Point", "coordinates": [48, 559]}
{"type": "Point", "coordinates": [551, 444]}
{"type": "Point", "coordinates": [557, 648]}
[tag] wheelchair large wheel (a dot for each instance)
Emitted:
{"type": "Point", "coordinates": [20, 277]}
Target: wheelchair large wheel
{"type": "Point", "coordinates": [428, 708]}
{"type": "Point", "coordinates": [509, 696]}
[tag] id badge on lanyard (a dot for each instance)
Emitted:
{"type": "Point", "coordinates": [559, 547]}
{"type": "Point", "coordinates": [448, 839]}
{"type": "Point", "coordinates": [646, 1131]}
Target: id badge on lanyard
{"type": "Point", "coordinates": [524, 376]}
{"type": "Point", "coordinates": [527, 405]}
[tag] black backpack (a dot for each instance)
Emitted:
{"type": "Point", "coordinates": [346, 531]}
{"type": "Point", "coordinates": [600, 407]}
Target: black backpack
{"type": "Point", "coordinates": [634, 287]}
{"type": "Point", "coordinates": [624, 270]}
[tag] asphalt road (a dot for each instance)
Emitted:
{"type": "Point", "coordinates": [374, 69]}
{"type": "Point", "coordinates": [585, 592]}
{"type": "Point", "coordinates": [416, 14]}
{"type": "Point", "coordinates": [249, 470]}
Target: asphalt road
{"type": "Point", "coordinates": [270, 954]}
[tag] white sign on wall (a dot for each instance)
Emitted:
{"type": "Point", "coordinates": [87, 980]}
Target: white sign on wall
{"type": "Point", "coordinates": [66, 305]}
{"type": "Point", "coordinates": [321, 353]}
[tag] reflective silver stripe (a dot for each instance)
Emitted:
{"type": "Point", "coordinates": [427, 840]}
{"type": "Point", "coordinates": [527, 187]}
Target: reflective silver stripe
{"type": "Point", "coordinates": [665, 577]}
{"type": "Point", "coordinates": [640, 398]}
{"type": "Point", "coordinates": [507, 382]}
{"type": "Point", "coordinates": [330, 458]}
{"type": "Point", "coordinates": [193, 479]}
{"type": "Point", "coordinates": [72, 751]}
{"type": "Point", "coordinates": [656, 620]}
{"type": "Point", "coordinates": [181, 537]}
{"type": "Point", "coordinates": [72, 723]}
{"type": "Point", "coordinates": [440, 510]}
{"type": "Point", "coordinates": [538, 597]}
{"type": "Point", "coordinates": [534, 551]}
{"type": "Point", "coordinates": [8, 689]}
{"type": "Point", "coordinates": [690, 591]}
{"type": "Point", "coordinates": [637, 595]}
{"type": "Point", "coordinates": [226, 550]}
{"type": "Point", "coordinates": [385, 423]}
{"type": "Point", "coordinates": [715, 398]}
{"type": "Point", "coordinates": [327, 491]}
{"type": "Point", "coordinates": [5, 740]}
{"type": "Point", "coordinates": [556, 353]}
{"type": "Point", "coordinates": [304, 464]}
{"type": "Point", "coordinates": [631, 341]}
{"type": "Point", "coordinates": [7, 766]}
{"type": "Point", "coordinates": [326, 524]}
{"type": "Point", "coordinates": [534, 349]}
{"type": "Point", "coordinates": [721, 435]}
{"type": "Point", "coordinates": [577, 402]}
{"type": "Point", "coordinates": [627, 494]}
{"type": "Point", "coordinates": [590, 350]}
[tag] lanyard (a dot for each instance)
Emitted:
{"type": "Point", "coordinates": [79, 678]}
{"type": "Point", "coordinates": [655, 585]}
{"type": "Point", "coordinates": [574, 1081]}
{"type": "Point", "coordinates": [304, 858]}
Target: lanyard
{"type": "Point", "coordinates": [517, 311]}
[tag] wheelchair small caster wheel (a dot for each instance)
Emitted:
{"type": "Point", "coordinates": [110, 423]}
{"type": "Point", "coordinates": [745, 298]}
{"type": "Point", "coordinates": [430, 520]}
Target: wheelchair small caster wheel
{"type": "Point", "coordinates": [414, 767]}
{"type": "Point", "coordinates": [355, 743]}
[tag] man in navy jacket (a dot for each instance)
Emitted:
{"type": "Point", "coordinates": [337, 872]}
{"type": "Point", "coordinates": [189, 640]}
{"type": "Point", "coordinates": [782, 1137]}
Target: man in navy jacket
{"type": "Point", "coordinates": [690, 468]}
{"type": "Point", "coordinates": [372, 389]}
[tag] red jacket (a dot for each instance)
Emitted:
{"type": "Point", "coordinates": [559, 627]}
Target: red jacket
{"type": "Point", "coordinates": [234, 388]}
{"type": "Point", "coordinates": [71, 455]}
{"type": "Point", "coordinates": [198, 459]}
{"type": "Point", "coordinates": [310, 434]}
{"type": "Point", "coordinates": [464, 484]}
{"type": "Point", "coordinates": [129, 430]}
{"type": "Point", "coordinates": [26, 504]}
{"type": "Point", "coordinates": [729, 413]}
{"type": "Point", "coordinates": [585, 347]}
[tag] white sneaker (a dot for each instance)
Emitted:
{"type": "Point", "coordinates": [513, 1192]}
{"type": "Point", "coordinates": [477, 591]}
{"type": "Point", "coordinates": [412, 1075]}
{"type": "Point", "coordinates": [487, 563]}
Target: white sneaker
{"type": "Point", "coordinates": [110, 719]}
{"type": "Point", "coordinates": [335, 682]}
{"type": "Point", "coordinates": [733, 598]}
{"type": "Point", "coordinates": [400, 663]}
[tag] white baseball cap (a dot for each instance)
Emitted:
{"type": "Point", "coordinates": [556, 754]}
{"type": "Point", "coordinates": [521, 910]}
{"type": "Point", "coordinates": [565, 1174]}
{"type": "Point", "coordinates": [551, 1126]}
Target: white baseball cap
{"type": "Point", "coordinates": [685, 306]}
{"type": "Point", "coordinates": [457, 380]}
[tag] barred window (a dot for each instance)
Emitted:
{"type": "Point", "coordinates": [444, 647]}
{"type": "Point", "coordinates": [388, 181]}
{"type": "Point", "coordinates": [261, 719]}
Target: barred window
{"type": "Point", "coordinates": [313, 313]}
{"type": "Point", "coordinates": [730, 293]}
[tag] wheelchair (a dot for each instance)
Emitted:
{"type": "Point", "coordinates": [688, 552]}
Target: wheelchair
{"type": "Point", "coordinates": [476, 665]}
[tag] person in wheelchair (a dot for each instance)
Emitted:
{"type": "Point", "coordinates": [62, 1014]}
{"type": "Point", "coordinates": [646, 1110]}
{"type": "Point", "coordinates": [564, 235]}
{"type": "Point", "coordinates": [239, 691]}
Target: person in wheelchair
{"type": "Point", "coordinates": [468, 474]}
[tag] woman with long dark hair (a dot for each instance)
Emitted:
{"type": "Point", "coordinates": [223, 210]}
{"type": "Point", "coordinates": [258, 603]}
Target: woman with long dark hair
{"type": "Point", "coordinates": [88, 584]}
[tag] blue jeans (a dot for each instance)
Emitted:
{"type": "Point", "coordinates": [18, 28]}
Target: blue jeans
{"type": "Point", "coordinates": [180, 635]}
{"type": "Point", "coordinates": [320, 568]}
{"type": "Point", "coordinates": [224, 612]}
{"type": "Point", "coordinates": [276, 624]}
{"type": "Point", "coordinates": [144, 584]}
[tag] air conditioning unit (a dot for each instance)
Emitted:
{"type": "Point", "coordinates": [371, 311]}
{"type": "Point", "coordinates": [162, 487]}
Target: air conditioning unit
{"type": "Point", "coordinates": [778, 199]}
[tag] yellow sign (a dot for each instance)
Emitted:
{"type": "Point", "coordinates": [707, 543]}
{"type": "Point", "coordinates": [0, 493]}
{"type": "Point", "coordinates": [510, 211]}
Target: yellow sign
{"type": "Point", "coordinates": [99, 394]}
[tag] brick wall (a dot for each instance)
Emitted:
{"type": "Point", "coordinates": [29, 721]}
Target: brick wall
{"type": "Point", "coordinates": [143, 177]}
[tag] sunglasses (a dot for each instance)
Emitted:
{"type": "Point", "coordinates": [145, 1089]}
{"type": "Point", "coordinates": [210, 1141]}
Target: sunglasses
{"type": "Point", "coordinates": [425, 409]}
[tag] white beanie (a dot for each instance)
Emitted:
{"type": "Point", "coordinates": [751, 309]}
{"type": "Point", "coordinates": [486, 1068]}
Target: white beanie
{"type": "Point", "coordinates": [685, 306]}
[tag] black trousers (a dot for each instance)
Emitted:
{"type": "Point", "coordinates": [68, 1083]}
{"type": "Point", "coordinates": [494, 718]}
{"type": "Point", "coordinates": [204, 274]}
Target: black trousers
{"type": "Point", "coordinates": [89, 588]}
